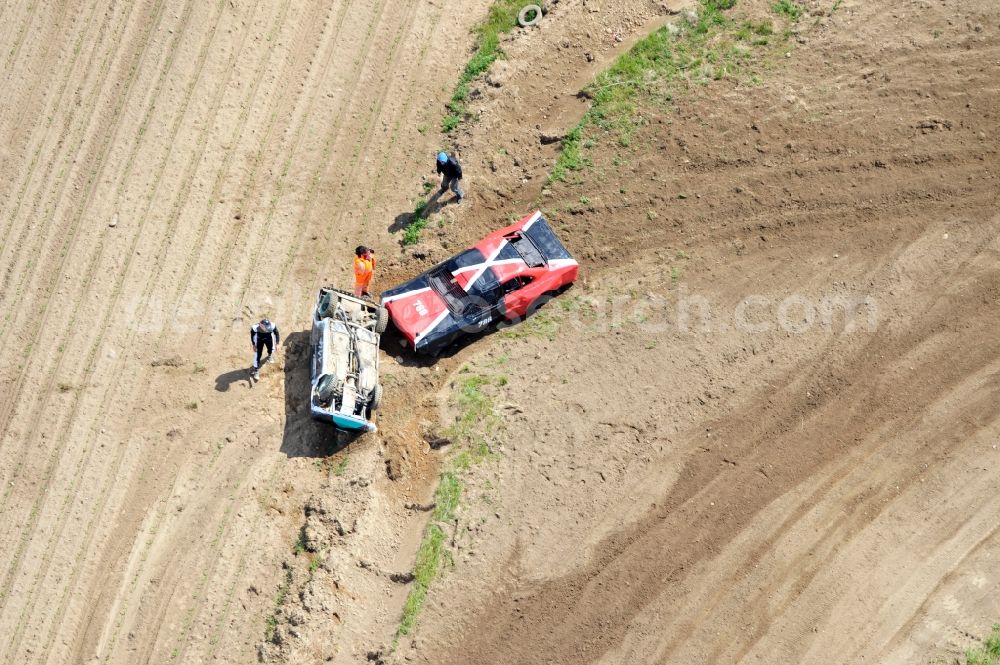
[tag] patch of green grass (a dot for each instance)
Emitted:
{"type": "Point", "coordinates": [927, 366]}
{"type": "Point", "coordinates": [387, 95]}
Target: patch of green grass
{"type": "Point", "coordinates": [476, 420]}
{"type": "Point", "coordinates": [569, 304]}
{"type": "Point", "coordinates": [989, 653]}
{"type": "Point", "coordinates": [300, 543]}
{"type": "Point", "coordinates": [570, 158]}
{"type": "Point", "coordinates": [315, 563]}
{"type": "Point", "coordinates": [450, 121]}
{"type": "Point", "coordinates": [426, 569]}
{"type": "Point", "coordinates": [446, 496]}
{"type": "Point", "coordinates": [539, 324]}
{"type": "Point", "coordinates": [271, 624]}
{"type": "Point", "coordinates": [341, 467]}
{"type": "Point", "coordinates": [418, 221]}
{"type": "Point", "coordinates": [476, 416]}
{"type": "Point", "coordinates": [788, 8]}
{"type": "Point", "coordinates": [659, 67]}
{"type": "Point", "coordinates": [748, 31]}
{"type": "Point", "coordinates": [501, 19]}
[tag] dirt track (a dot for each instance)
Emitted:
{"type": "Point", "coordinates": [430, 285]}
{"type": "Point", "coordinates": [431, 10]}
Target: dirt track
{"type": "Point", "coordinates": [173, 170]}
{"type": "Point", "coordinates": [818, 490]}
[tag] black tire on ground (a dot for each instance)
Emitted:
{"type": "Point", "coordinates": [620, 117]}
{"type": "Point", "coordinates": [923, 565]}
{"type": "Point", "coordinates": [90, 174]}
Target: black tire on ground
{"type": "Point", "coordinates": [376, 398]}
{"type": "Point", "coordinates": [381, 320]}
{"type": "Point", "coordinates": [534, 11]}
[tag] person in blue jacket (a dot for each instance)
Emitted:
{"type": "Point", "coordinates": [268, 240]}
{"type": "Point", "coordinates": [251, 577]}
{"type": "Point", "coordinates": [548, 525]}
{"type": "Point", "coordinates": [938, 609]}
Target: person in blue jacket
{"type": "Point", "coordinates": [451, 175]}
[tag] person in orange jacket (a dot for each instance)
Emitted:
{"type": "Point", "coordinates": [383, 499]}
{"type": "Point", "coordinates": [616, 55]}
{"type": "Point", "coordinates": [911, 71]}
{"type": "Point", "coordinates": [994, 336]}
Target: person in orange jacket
{"type": "Point", "coordinates": [364, 268]}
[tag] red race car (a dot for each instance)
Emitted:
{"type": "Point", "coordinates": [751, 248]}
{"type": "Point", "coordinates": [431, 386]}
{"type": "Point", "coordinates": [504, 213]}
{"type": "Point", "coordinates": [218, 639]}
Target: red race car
{"type": "Point", "coordinates": [503, 277]}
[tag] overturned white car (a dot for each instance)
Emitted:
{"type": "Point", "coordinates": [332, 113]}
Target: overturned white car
{"type": "Point", "coordinates": [344, 371]}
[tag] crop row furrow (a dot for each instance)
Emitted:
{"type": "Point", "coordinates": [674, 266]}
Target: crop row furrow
{"type": "Point", "coordinates": [88, 364]}
{"type": "Point", "coordinates": [331, 139]}
{"type": "Point", "coordinates": [70, 234]}
{"type": "Point", "coordinates": [14, 247]}
{"type": "Point", "coordinates": [58, 344]}
{"type": "Point", "coordinates": [204, 52]}
{"type": "Point", "coordinates": [357, 68]}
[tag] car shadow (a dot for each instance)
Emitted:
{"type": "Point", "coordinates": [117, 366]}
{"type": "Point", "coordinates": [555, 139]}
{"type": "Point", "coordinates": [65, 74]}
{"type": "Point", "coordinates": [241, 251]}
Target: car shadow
{"type": "Point", "coordinates": [303, 436]}
{"type": "Point", "coordinates": [224, 382]}
{"type": "Point", "coordinates": [395, 345]}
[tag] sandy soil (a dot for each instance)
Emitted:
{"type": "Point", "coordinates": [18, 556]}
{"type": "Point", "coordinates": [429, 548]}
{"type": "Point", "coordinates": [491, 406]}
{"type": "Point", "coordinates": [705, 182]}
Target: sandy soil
{"type": "Point", "coordinates": [762, 485]}
{"type": "Point", "coordinates": [791, 488]}
{"type": "Point", "coordinates": [171, 171]}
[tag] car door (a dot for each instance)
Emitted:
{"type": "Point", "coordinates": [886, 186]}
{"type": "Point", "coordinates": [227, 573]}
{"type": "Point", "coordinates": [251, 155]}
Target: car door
{"type": "Point", "coordinates": [518, 294]}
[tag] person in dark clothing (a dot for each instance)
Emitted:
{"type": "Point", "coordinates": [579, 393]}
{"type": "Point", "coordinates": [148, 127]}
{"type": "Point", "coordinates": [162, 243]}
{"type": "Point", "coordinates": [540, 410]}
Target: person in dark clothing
{"type": "Point", "coordinates": [451, 175]}
{"type": "Point", "coordinates": [263, 335]}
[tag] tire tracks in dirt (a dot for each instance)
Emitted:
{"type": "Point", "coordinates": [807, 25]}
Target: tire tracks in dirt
{"type": "Point", "coordinates": [348, 186]}
{"type": "Point", "coordinates": [99, 338]}
{"type": "Point", "coordinates": [106, 401]}
{"type": "Point", "coordinates": [652, 560]}
{"type": "Point", "coordinates": [10, 314]}
{"type": "Point", "coordinates": [49, 384]}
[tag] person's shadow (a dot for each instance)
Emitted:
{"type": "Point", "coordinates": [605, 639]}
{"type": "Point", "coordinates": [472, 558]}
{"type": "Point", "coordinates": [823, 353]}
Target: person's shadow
{"type": "Point", "coordinates": [303, 436]}
{"type": "Point", "coordinates": [403, 220]}
{"type": "Point", "coordinates": [224, 382]}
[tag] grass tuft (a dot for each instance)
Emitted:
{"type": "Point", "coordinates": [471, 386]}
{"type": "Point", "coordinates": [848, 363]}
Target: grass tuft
{"type": "Point", "coordinates": [300, 543]}
{"type": "Point", "coordinates": [477, 420]}
{"type": "Point", "coordinates": [418, 221]}
{"type": "Point", "coordinates": [424, 572]}
{"type": "Point", "coordinates": [271, 625]}
{"type": "Point", "coordinates": [989, 653]}
{"type": "Point", "coordinates": [501, 19]}
{"type": "Point", "coordinates": [788, 8]}
{"type": "Point", "coordinates": [659, 67]}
